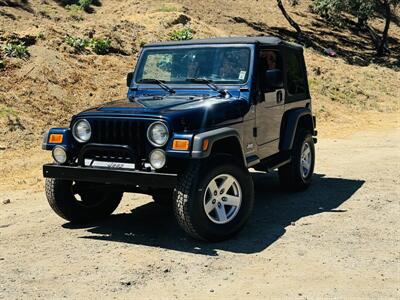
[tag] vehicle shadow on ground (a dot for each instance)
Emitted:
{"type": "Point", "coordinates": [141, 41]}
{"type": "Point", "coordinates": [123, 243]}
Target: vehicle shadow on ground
{"type": "Point", "coordinates": [274, 210]}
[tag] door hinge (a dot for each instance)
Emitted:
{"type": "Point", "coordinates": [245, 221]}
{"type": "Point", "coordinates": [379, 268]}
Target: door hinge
{"type": "Point", "coordinates": [255, 132]}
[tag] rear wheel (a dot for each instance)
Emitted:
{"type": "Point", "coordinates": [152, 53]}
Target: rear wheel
{"type": "Point", "coordinates": [81, 202]}
{"type": "Point", "coordinates": [212, 202]}
{"type": "Point", "coordinates": [298, 173]}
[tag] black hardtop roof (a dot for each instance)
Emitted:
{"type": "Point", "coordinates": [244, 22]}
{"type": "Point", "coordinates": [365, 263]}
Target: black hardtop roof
{"type": "Point", "coordinates": [263, 40]}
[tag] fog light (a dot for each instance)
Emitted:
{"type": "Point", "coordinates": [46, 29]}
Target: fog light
{"type": "Point", "coordinates": [157, 158]}
{"type": "Point", "coordinates": [59, 154]}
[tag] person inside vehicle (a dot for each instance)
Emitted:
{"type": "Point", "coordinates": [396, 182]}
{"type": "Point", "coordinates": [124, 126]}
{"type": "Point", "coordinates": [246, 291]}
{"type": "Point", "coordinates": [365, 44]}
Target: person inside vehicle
{"type": "Point", "coordinates": [230, 69]}
{"type": "Point", "coordinates": [269, 60]}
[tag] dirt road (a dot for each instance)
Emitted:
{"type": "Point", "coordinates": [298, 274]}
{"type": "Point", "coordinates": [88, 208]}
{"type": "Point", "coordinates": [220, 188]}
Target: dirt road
{"type": "Point", "coordinates": [339, 239]}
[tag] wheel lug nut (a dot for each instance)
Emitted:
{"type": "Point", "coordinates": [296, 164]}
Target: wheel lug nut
{"type": "Point", "coordinates": [222, 191]}
{"type": "Point", "coordinates": [215, 193]}
{"type": "Point", "coordinates": [224, 199]}
{"type": "Point", "coordinates": [219, 204]}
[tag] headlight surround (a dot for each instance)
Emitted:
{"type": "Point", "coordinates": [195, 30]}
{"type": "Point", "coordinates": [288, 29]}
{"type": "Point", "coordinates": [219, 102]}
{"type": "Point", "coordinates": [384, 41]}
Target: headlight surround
{"type": "Point", "coordinates": [59, 154]}
{"type": "Point", "coordinates": [157, 158]}
{"type": "Point", "coordinates": [158, 134]}
{"type": "Point", "coordinates": [82, 131]}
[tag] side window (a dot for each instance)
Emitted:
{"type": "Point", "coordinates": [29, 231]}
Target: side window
{"type": "Point", "coordinates": [270, 60]}
{"type": "Point", "coordinates": [295, 79]}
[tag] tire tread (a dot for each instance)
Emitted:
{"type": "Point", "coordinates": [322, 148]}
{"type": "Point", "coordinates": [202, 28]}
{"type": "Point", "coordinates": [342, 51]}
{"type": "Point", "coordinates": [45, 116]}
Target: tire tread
{"type": "Point", "coordinates": [181, 203]}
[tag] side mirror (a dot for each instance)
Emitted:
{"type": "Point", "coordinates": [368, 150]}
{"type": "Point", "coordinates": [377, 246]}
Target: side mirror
{"type": "Point", "coordinates": [273, 79]}
{"type": "Point", "coordinates": [129, 79]}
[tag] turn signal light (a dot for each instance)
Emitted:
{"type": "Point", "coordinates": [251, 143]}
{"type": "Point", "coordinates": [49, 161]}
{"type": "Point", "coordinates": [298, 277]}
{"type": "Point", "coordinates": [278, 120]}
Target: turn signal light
{"type": "Point", "coordinates": [180, 145]}
{"type": "Point", "coordinates": [205, 144]}
{"type": "Point", "coordinates": [56, 138]}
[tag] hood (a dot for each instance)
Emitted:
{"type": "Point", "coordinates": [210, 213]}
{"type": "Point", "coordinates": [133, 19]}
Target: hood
{"type": "Point", "coordinates": [183, 113]}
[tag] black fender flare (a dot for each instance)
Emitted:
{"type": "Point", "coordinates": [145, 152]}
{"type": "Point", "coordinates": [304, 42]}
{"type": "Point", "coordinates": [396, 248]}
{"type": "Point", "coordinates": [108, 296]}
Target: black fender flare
{"type": "Point", "coordinates": [214, 136]}
{"type": "Point", "coordinates": [289, 126]}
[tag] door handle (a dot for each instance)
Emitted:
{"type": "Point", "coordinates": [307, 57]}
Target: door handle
{"type": "Point", "coordinates": [279, 96]}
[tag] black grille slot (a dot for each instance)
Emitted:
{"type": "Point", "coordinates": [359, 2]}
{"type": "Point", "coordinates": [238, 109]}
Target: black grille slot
{"type": "Point", "coordinates": [119, 132]}
{"type": "Point", "coordinates": [116, 131]}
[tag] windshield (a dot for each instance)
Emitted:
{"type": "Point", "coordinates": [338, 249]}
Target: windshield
{"type": "Point", "coordinates": [180, 65]}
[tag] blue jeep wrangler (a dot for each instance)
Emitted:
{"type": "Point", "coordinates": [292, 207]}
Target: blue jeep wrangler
{"type": "Point", "coordinates": [198, 115]}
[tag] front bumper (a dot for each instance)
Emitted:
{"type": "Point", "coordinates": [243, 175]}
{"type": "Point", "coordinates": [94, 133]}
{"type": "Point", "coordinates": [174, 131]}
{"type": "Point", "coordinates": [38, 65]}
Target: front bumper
{"type": "Point", "coordinates": [110, 176]}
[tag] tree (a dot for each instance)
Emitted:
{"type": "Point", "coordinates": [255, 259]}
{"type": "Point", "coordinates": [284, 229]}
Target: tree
{"type": "Point", "coordinates": [289, 19]}
{"type": "Point", "coordinates": [381, 49]}
{"type": "Point", "coordinates": [364, 10]}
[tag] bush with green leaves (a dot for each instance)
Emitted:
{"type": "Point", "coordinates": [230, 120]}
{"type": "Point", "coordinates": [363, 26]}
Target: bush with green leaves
{"type": "Point", "coordinates": [79, 44]}
{"type": "Point", "coordinates": [182, 34]}
{"type": "Point", "coordinates": [332, 9]}
{"type": "Point", "coordinates": [81, 5]}
{"type": "Point", "coordinates": [364, 10]}
{"type": "Point", "coordinates": [100, 46]}
{"type": "Point", "coordinates": [85, 4]}
{"type": "Point", "coordinates": [17, 49]}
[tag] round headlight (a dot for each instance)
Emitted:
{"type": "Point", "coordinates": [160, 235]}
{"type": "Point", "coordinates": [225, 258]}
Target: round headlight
{"type": "Point", "coordinates": [59, 154]}
{"type": "Point", "coordinates": [158, 134]}
{"type": "Point", "coordinates": [82, 131]}
{"type": "Point", "coordinates": [157, 158]}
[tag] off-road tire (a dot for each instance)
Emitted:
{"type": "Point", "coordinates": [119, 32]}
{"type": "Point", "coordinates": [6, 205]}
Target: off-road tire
{"type": "Point", "coordinates": [189, 193]}
{"type": "Point", "coordinates": [63, 202]}
{"type": "Point", "coordinates": [289, 175]}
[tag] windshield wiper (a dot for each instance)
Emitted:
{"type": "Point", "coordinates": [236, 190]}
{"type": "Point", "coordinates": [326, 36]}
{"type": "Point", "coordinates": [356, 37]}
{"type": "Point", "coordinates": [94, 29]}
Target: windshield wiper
{"type": "Point", "coordinates": [210, 83]}
{"type": "Point", "coordinates": [160, 83]}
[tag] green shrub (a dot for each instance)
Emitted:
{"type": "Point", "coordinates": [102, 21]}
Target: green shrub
{"type": "Point", "coordinates": [79, 6]}
{"type": "Point", "coordinates": [333, 10]}
{"type": "Point", "coordinates": [100, 46]}
{"type": "Point", "coordinates": [18, 50]}
{"type": "Point", "coordinates": [182, 34]}
{"type": "Point", "coordinates": [85, 4]}
{"type": "Point", "coordinates": [79, 44]}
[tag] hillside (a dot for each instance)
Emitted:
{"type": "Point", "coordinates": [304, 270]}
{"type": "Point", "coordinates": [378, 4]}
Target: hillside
{"type": "Point", "coordinates": [55, 81]}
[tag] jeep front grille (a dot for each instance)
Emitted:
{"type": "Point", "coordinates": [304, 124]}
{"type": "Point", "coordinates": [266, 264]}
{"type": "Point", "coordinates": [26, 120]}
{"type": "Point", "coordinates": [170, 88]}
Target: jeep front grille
{"type": "Point", "coordinates": [120, 132]}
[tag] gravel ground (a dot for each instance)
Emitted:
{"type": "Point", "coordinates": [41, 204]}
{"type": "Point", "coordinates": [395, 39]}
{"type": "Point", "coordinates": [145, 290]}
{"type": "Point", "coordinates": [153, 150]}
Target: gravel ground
{"type": "Point", "coordinates": [339, 239]}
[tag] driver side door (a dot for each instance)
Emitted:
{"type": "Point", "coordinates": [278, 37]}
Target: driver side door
{"type": "Point", "coordinates": [270, 107]}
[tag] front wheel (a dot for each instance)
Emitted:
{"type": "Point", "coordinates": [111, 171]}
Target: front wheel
{"type": "Point", "coordinates": [213, 203]}
{"type": "Point", "coordinates": [297, 175]}
{"type": "Point", "coordinates": [80, 202]}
